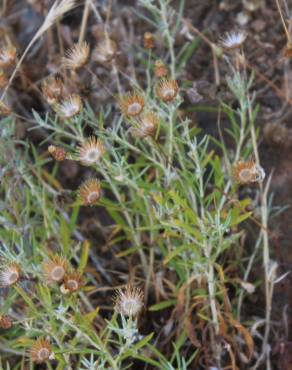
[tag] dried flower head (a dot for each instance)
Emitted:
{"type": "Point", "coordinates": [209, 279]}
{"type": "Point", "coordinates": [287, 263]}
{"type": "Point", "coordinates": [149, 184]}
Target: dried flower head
{"type": "Point", "coordinates": [7, 56]}
{"type": "Point", "coordinates": [247, 172]}
{"type": "Point", "coordinates": [132, 104]}
{"type": "Point", "coordinates": [129, 302]}
{"type": "Point", "coordinates": [70, 106]}
{"type": "Point", "coordinates": [105, 51]}
{"type": "Point", "coordinates": [9, 275]}
{"type": "Point", "coordinates": [59, 154]}
{"type": "Point", "coordinates": [91, 151]}
{"type": "Point", "coordinates": [55, 269]}
{"type": "Point", "coordinates": [3, 79]}
{"type": "Point", "coordinates": [148, 40]}
{"type": "Point", "coordinates": [5, 110]}
{"type": "Point", "coordinates": [167, 89]}
{"type": "Point", "coordinates": [52, 89]}
{"type": "Point", "coordinates": [233, 40]}
{"type": "Point", "coordinates": [160, 69]}
{"type": "Point", "coordinates": [5, 322]}
{"type": "Point", "coordinates": [287, 52]}
{"type": "Point", "coordinates": [90, 192]}
{"type": "Point", "coordinates": [147, 125]}
{"type": "Point", "coordinates": [77, 56]}
{"type": "Point", "coordinates": [41, 351]}
{"type": "Point", "coordinates": [72, 282]}
{"type": "Point", "coordinates": [277, 134]}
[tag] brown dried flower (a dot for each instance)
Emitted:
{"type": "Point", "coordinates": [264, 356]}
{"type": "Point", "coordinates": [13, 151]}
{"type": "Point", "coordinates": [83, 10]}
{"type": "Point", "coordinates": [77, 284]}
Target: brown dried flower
{"type": "Point", "coordinates": [5, 322]}
{"type": "Point", "coordinates": [7, 56]}
{"type": "Point", "coordinates": [247, 172]}
{"type": "Point", "coordinates": [132, 104]}
{"type": "Point", "coordinates": [90, 192]}
{"type": "Point", "coordinates": [53, 89]}
{"type": "Point", "coordinates": [41, 351]}
{"type": "Point", "coordinates": [160, 69]}
{"type": "Point", "coordinates": [9, 275]}
{"type": "Point", "coordinates": [77, 56]}
{"type": "Point", "coordinates": [70, 106]}
{"type": "Point", "coordinates": [167, 89]}
{"type": "Point", "coordinates": [91, 151]}
{"type": "Point", "coordinates": [147, 125]}
{"type": "Point", "coordinates": [129, 302]}
{"type": "Point", "coordinates": [59, 154]}
{"type": "Point", "coordinates": [148, 40]}
{"type": "Point", "coordinates": [55, 269]}
{"type": "Point", "coordinates": [105, 51]}
{"type": "Point", "coordinates": [72, 282]}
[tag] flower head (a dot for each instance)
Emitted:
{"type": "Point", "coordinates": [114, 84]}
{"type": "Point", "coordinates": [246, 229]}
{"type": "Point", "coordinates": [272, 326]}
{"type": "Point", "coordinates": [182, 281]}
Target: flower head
{"type": "Point", "coordinates": [90, 192]}
{"type": "Point", "coordinates": [72, 282]}
{"type": "Point", "coordinates": [9, 275]}
{"type": "Point", "coordinates": [52, 89]}
{"type": "Point", "coordinates": [70, 106]}
{"type": "Point", "coordinates": [132, 104]}
{"type": "Point", "coordinates": [147, 125]}
{"type": "Point", "coordinates": [59, 154]}
{"type": "Point", "coordinates": [167, 89]}
{"type": "Point", "coordinates": [130, 301]}
{"type": "Point", "coordinates": [247, 172]}
{"type": "Point", "coordinates": [5, 322]}
{"type": "Point", "coordinates": [233, 40]}
{"type": "Point", "coordinates": [77, 56]}
{"type": "Point", "coordinates": [7, 56]}
{"type": "Point", "coordinates": [55, 269]}
{"type": "Point", "coordinates": [91, 151]}
{"type": "Point", "coordinates": [41, 351]}
{"type": "Point", "coordinates": [160, 69]}
{"type": "Point", "coordinates": [148, 40]}
{"type": "Point", "coordinates": [105, 51]}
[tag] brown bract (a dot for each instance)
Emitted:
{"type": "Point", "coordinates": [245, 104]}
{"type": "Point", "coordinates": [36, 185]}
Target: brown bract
{"type": "Point", "coordinates": [129, 302]}
{"type": "Point", "coordinates": [132, 104]}
{"type": "Point", "coordinates": [73, 282]}
{"type": "Point", "coordinates": [9, 275]}
{"type": "Point", "coordinates": [247, 172]}
{"type": "Point", "coordinates": [53, 89]}
{"type": "Point", "coordinates": [148, 40]}
{"type": "Point", "coordinates": [70, 106]}
{"type": "Point", "coordinates": [77, 56]}
{"type": "Point", "coordinates": [40, 351]}
{"type": "Point", "coordinates": [167, 89]}
{"type": "Point", "coordinates": [147, 125]}
{"type": "Point", "coordinates": [7, 56]}
{"type": "Point", "coordinates": [55, 269]}
{"type": "Point", "coordinates": [160, 70]}
{"type": "Point", "coordinates": [90, 192]}
{"type": "Point", "coordinates": [105, 51]}
{"type": "Point", "coordinates": [5, 322]}
{"type": "Point", "coordinates": [91, 151]}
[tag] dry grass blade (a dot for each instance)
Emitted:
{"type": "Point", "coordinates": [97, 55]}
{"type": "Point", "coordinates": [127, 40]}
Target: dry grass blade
{"type": "Point", "coordinates": [56, 12]}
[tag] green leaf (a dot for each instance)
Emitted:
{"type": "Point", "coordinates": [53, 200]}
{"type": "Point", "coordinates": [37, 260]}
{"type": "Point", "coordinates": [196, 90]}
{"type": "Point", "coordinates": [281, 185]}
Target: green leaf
{"type": "Point", "coordinates": [162, 305]}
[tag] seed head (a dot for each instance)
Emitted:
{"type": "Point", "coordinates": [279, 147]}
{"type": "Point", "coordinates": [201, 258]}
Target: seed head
{"type": "Point", "coordinates": [129, 302]}
{"type": "Point", "coordinates": [167, 89]}
{"type": "Point", "coordinates": [70, 106]}
{"type": "Point", "coordinates": [147, 126]}
{"type": "Point", "coordinates": [5, 322]}
{"type": "Point", "coordinates": [91, 151]}
{"type": "Point", "coordinates": [3, 79]}
{"type": "Point", "coordinates": [55, 269]}
{"type": "Point", "coordinates": [72, 282]}
{"type": "Point", "coordinates": [9, 275]}
{"type": "Point", "coordinates": [41, 351]}
{"type": "Point", "coordinates": [59, 154]}
{"type": "Point", "coordinates": [7, 56]}
{"type": "Point", "coordinates": [90, 192]}
{"type": "Point", "coordinates": [105, 51]}
{"type": "Point", "coordinates": [77, 56]}
{"type": "Point", "coordinates": [148, 40]}
{"type": "Point", "coordinates": [247, 172]}
{"type": "Point", "coordinates": [160, 69]}
{"type": "Point", "coordinates": [5, 110]}
{"type": "Point", "coordinates": [132, 104]}
{"type": "Point", "coordinates": [52, 89]}
{"type": "Point", "coordinates": [233, 40]}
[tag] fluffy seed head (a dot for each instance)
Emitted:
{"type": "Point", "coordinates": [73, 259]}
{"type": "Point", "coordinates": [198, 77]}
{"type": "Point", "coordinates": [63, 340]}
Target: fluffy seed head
{"type": "Point", "coordinates": [132, 104]}
{"type": "Point", "coordinates": [247, 172]}
{"type": "Point", "coordinates": [41, 351]}
{"type": "Point", "coordinates": [73, 282]}
{"type": "Point", "coordinates": [5, 322]}
{"type": "Point", "coordinates": [148, 40]}
{"type": "Point", "coordinates": [105, 51]}
{"type": "Point", "coordinates": [7, 56]}
{"type": "Point", "coordinates": [129, 302]}
{"type": "Point", "coordinates": [55, 269]}
{"type": "Point", "coordinates": [5, 110]}
{"type": "Point", "coordinates": [91, 151]}
{"type": "Point", "coordinates": [52, 89]}
{"type": "Point", "coordinates": [77, 56]}
{"type": "Point", "coordinates": [59, 154]}
{"type": "Point", "coordinates": [233, 40]}
{"type": "Point", "coordinates": [160, 69]}
{"type": "Point", "coordinates": [90, 192]}
{"type": "Point", "coordinates": [70, 106]}
{"type": "Point", "coordinates": [9, 275]}
{"type": "Point", "coordinates": [147, 126]}
{"type": "Point", "coordinates": [167, 89]}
